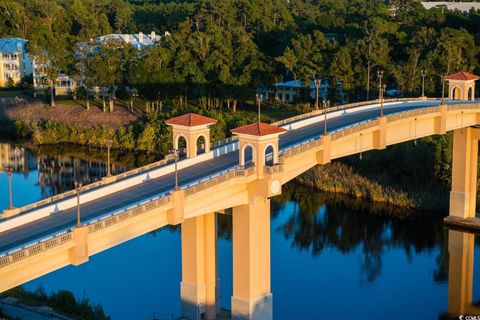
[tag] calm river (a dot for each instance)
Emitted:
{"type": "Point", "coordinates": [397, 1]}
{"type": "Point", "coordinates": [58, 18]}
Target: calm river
{"type": "Point", "coordinates": [331, 257]}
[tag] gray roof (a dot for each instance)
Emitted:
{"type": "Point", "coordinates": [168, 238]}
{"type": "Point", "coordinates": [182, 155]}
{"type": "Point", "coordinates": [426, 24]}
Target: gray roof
{"type": "Point", "coordinates": [462, 6]}
{"type": "Point", "coordinates": [10, 45]}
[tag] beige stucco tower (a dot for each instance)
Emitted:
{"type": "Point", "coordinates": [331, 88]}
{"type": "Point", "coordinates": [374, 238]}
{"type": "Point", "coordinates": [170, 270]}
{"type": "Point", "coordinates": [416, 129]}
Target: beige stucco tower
{"type": "Point", "coordinates": [191, 127]}
{"type": "Point", "coordinates": [262, 138]}
{"type": "Point", "coordinates": [461, 86]}
{"type": "Point", "coordinates": [252, 297]}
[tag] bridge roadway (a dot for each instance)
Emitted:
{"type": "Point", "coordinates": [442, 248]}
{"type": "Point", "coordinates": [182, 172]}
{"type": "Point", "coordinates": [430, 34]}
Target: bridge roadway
{"type": "Point", "coordinates": [64, 219]}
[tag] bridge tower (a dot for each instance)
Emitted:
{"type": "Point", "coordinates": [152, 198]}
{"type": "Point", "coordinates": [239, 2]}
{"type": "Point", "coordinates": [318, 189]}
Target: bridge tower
{"type": "Point", "coordinates": [464, 173]}
{"type": "Point", "coordinates": [461, 86]}
{"type": "Point", "coordinates": [252, 297]}
{"type": "Point", "coordinates": [258, 144]}
{"type": "Point", "coordinates": [191, 127]}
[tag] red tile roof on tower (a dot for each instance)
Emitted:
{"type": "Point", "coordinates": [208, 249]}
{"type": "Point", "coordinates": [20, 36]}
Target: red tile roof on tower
{"type": "Point", "coordinates": [258, 129]}
{"type": "Point", "coordinates": [190, 120]}
{"type": "Point", "coordinates": [462, 76]}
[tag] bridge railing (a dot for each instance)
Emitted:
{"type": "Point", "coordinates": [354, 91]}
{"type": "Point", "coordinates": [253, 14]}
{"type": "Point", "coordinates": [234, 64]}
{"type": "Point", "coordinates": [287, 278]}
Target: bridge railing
{"type": "Point", "coordinates": [37, 247]}
{"type": "Point", "coordinates": [342, 132]}
{"type": "Point", "coordinates": [216, 179]}
{"type": "Point", "coordinates": [38, 204]}
{"type": "Point", "coordinates": [94, 225]}
{"type": "Point", "coordinates": [343, 107]}
{"type": "Point", "coordinates": [463, 106]}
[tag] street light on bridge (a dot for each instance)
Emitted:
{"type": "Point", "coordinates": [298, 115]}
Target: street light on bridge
{"type": "Point", "coordinates": [423, 73]}
{"type": "Point", "coordinates": [259, 99]}
{"type": "Point", "coordinates": [78, 189]}
{"type": "Point", "coordinates": [326, 104]}
{"type": "Point", "coordinates": [109, 143]}
{"type": "Point", "coordinates": [9, 170]}
{"type": "Point", "coordinates": [380, 77]}
{"type": "Point", "coordinates": [175, 154]}
{"type": "Point", "coordinates": [381, 91]}
{"type": "Point", "coordinates": [317, 82]}
{"type": "Point", "coordinates": [443, 87]}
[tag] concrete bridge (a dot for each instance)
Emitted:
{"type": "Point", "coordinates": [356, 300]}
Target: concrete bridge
{"type": "Point", "coordinates": [241, 174]}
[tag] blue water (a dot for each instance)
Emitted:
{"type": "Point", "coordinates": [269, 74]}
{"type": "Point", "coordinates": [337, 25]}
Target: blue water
{"type": "Point", "coordinates": [327, 261]}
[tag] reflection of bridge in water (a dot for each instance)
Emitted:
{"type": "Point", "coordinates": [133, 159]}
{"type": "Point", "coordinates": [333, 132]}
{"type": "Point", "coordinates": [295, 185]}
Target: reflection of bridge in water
{"type": "Point", "coordinates": [41, 237]}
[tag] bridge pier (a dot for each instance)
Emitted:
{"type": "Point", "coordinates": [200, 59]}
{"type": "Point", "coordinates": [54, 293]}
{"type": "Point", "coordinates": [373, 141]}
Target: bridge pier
{"type": "Point", "coordinates": [79, 253]}
{"type": "Point", "coordinates": [252, 298]}
{"type": "Point", "coordinates": [199, 267]}
{"type": "Point", "coordinates": [460, 272]}
{"type": "Point", "coordinates": [464, 173]}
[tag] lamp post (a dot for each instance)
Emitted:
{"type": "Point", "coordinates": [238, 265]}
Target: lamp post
{"type": "Point", "coordinates": [423, 73]}
{"type": "Point", "coordinates": [317, 82]}
{"type": "Point", "coordinates": [175, 153]}
{"type": "Point", "coordinates": [9, 170]}
{"type": "Point", "coordinates": [78, 189]}
{"type": "Point", "coordinates": [443, 88]}
{"type": "Point", "coordinates": [326, 104]}
{"type": "Point", "coordinates": [259, 99]}
{"type": "Point", "coordinates": [381, 91]}
{"type": "Point", "coordinates": [109, 145]}
{"type": "Point", "coordinates": [379, 76]}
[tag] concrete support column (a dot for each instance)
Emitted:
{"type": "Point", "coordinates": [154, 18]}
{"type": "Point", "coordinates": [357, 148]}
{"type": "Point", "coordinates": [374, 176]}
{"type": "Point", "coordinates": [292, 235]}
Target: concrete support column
{"type": "Point", "coordinates": [324, 155]}
{"type": "Point", "coordinates": [460, 272]}
{"type": "Point", "coordinates": [199, 267]}
{"type": "Point", "coordinates": [79, 253]}
{"type": "Point", "coordinates": [380, 136]}
{"type": "Point", "coordinates": [251, 298]}
{"type": "Point", "coordinates": [464, 174]}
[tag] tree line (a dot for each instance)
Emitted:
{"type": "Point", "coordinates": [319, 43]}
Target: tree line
{"type": "Point", "coordinates": [220, 50]}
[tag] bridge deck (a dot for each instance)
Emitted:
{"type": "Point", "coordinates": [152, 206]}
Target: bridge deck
{"type": "Point", "coordinates": [67, 218]}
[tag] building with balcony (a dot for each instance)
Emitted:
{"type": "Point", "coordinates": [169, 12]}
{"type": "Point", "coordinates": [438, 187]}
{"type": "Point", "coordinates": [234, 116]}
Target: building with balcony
{"type": "Point", "coordinates": [288, 92]}
{"type": "Point", "coordinates": [15, 62]}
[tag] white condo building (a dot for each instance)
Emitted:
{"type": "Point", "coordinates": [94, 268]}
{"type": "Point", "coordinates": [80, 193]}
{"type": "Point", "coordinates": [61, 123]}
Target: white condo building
{"type": "Point", "coordinates": [15, 62]}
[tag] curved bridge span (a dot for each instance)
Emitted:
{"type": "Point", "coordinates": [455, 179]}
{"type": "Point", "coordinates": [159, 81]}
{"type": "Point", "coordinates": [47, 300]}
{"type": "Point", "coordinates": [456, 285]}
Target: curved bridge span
{"type": "Point", "coordinates": [42, 237]}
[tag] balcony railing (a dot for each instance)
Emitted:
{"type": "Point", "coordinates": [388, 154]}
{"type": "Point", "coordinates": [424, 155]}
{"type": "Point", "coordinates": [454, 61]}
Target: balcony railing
{"type": "Point", "coordinates": [271, 169]}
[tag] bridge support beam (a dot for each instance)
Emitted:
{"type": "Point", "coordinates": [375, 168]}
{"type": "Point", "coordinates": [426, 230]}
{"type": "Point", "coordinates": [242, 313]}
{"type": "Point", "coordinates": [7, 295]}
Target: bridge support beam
{"type": "Point", "coordinates": [380, 136]}
{"type": "Point", "coordinates": [175, 215]}
{"type": "Point", "coordinates": [251, 298]}
{"type": "Point", "coordinates": [464, 173]}
{"type": "Point", "coordinates": [460, 272]}
{"type": "Point", "coordinates": [79, 253]}
{"type": "Point", "coordinates": [441, 121]}
{"type": "Point", "coordinates": [324, 156]}
{"type": "Point", "coordinates": [199, 267]}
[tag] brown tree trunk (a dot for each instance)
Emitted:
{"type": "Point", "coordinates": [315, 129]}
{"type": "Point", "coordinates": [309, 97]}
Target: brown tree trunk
{"type": "Point", "coordinates": [234, 105]}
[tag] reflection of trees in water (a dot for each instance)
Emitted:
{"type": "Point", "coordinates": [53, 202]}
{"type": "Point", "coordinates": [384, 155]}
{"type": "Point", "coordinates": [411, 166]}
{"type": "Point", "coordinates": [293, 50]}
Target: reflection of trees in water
{"type": "Point", "coordinates": [321, 220]}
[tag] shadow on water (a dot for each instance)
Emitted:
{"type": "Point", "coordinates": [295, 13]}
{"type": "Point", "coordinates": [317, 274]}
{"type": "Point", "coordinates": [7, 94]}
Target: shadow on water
{"type": "Point", "coordinates": [323, 220]}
